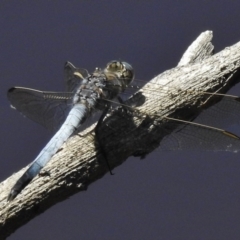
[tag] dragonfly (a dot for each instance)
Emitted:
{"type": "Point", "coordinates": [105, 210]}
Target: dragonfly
{"type": "Point", "coordinates": [67, 112]}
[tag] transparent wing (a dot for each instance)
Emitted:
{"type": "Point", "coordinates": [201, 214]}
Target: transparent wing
{"type": "Point", "coordinates": [205, 132]}
{"type": "Point", "coordinates": [222, 114]}
{"type": "Point", "coordinates": [191, 136]}
{"type": "Point", "coordinates": [46, 108]}
{"type": "Point", "coordinates": [73, 76]}
{"type": "Point", "coordinates": [180, 135]}
{"type": "Point", "coordinates": [175, 134]}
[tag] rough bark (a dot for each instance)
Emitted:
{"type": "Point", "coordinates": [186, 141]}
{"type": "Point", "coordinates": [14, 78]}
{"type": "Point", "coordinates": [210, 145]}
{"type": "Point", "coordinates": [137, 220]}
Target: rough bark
{"type": "Point", "coordinates": [80, 162]}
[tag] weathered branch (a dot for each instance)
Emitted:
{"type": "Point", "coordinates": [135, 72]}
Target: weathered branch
{"type": "Point", "coordinates": [80, 161]}
{"type": "Point", "coordinates": [200, 49]}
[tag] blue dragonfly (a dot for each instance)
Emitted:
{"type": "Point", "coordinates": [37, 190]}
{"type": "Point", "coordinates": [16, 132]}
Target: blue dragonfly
{"type": "Point", "coordinates": [66, 112]}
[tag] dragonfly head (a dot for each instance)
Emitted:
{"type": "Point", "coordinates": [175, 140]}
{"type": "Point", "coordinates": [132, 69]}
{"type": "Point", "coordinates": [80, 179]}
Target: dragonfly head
{"type": "Point", "coordinates": [122, 69]}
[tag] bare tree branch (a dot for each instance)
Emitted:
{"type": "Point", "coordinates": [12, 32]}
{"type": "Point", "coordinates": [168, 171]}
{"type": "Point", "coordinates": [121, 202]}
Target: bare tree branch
{"type": "Point", "coordinates": [80, 162]}
{"type": "Point", "coordinates": [200, 49]}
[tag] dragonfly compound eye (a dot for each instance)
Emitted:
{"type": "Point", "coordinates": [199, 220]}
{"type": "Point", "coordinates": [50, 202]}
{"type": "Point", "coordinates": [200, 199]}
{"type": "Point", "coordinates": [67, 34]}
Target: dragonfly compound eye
{"type": "Point", "coordinates": [114, 66]}
{"type": "Point", "coordinates": [122, 69]}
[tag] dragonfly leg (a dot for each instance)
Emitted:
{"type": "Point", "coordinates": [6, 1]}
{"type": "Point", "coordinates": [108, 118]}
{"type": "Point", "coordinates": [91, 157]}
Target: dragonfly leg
{"type": "Point", "coordinates": [98, 138]}
{"type": "Point", "coordinates": [120, 99]}
{"type": "Point", "coordinates": [127, 107]}
{"type": "Point", "coordinates": [124, 105]}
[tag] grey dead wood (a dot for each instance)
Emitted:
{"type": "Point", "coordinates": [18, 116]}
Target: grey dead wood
{"type": "Point", "coordinates": [80, 162]}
